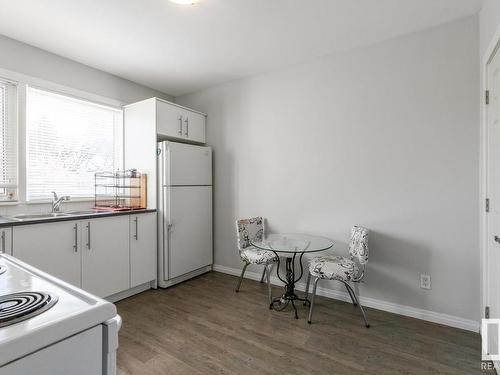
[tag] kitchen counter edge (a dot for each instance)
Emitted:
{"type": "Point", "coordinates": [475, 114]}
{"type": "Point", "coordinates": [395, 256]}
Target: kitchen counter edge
{"type": "Point", "coordinates": [6, 222]}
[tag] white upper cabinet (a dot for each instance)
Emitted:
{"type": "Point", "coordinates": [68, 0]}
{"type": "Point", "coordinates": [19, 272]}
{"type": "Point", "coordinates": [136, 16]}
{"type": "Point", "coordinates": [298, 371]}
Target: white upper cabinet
{"type": "Point", "coordinates": [179, 123]}
{"type": "Point", "coordinates": [194, 126]}
{"type": "Point", "coordinates": [170, 120]}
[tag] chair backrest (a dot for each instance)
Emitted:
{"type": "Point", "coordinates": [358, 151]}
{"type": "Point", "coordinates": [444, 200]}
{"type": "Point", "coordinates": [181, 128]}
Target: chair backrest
{"type": "Point", "coordinates": [358, 245]}
{"type": "Point", "coordinates": [249, 230]}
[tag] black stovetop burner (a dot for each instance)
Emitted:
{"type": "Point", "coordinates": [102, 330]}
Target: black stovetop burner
{"type": "Point", "coordinates": [17, 307]}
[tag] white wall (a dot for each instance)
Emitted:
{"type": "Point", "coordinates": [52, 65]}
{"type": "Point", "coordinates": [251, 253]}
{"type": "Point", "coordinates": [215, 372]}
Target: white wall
{"type": "Point", "coordinates": [386, 137]}
{"type": "Point", "coordinates": [26, 64]}
{"type": "Point", "coordinates": [489, 22]}
{"type": "Point", "coordinates": [34, 62]}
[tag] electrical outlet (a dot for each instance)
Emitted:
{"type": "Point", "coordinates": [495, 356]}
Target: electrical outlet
{"type": "Point", "coordinates": [425, 281]}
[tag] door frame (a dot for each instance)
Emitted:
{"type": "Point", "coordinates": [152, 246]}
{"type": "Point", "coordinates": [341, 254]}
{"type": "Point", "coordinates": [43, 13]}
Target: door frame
{"type": "Point", "coordinates": [493, 48]}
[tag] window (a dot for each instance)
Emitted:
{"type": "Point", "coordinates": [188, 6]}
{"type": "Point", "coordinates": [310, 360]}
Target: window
{"type": "Point", "coordinates": [67, 141]}
{"type": "Point", "coordinates": [8, 142]}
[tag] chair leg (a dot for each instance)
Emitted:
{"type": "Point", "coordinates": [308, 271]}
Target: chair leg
{"type": "Point", "coordinates": [264, 271]}
{"type": "Point", "coordinates": [307, 287]}
{"type": "Point", "coordinates": [352, 297]}
{"type": "Point", "coordinates": [315, 284]}
{"type": "Point", "coordinates": [241, 277]}
{"type": "Point", "coordinates": [269, 291]}
{"type": "Point", "coordinates": [359, 305]}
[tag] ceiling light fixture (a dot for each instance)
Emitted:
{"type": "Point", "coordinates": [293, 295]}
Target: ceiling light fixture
{"type": "Point", "coordinates": [185, 2]}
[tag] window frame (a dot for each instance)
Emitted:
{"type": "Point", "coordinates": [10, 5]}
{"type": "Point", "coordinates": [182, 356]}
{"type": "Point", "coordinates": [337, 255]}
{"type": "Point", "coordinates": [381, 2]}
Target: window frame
{"type": "Point", "coordinates": [76, 95]}
{"type": "Point", "coordinates": [13, 119]}
{"type": "Point", "coordinates": [21, 81]}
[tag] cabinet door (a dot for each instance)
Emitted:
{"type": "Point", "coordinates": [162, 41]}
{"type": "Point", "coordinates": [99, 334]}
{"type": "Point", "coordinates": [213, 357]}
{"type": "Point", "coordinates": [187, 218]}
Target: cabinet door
{"type": "Point", "coordinates": [105, 255]}
{"type": "Point", "coordinates": [170, 120]}
{"type": "Point", "coordinates": [51, 247]}
{"type": "Point", "coordinates": [142, 248]}
{"type": "Point", "coordinates": [194, 127]}
{"type": "Point", "coordinates": [6, 240]}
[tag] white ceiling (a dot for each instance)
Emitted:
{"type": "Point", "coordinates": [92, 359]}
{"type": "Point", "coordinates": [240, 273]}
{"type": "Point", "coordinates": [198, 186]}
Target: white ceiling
{"type": "Point", "coordinates": [179, 49]}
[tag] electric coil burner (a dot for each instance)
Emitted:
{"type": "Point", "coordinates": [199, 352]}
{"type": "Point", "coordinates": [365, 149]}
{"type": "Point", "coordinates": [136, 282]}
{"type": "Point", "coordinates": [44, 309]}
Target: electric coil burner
{"type": "Point", "coordinates": [2, 269]}
{"type": "Point", "coordinates": [17, 307]}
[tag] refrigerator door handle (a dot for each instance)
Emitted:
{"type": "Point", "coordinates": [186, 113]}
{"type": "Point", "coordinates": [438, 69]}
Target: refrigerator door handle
{"type": "Point", "coordinates": [166, 265]}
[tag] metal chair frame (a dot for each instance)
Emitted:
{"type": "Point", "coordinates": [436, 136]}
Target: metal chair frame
{"type": "Point", "coordinates": [266, 272]}
{"type": "Point", "coordinates": [354, 298]}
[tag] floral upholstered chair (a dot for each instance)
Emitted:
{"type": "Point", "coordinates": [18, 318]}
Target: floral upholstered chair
{"type": "Point", "coordinates": [249, 230]}
{"type": "Point", "coordinates": [345, 270]}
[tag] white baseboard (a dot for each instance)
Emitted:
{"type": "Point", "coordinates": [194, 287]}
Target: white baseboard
{"type": "Point", "coordinates": [431, 316]}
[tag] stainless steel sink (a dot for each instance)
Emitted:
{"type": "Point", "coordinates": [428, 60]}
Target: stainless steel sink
{"type": "Point", "coordinates": [29, 217]}
{"type": "Point", "coordinates": [83, 212]}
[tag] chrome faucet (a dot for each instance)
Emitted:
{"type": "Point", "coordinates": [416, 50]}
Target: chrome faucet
{"type": "Point", "coordinates": [56, 202]}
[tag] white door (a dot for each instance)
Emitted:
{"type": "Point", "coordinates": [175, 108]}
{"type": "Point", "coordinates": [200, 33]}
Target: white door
{"type": "Point", "coordinates": [190, 241]}
{"type": "Point", "coordinates": [493, 188]}
{"type": "Point", "coordinates": [142, 248]}
{"type": "Point", "coordinates": [105, 255]}
{"type": "Point", "coordinates": [194, 126]}
{"type": "Point", "coordinates": [170, 120]}
{"type": "Point", "coordinates": [188, 165]}
{"type": "Point", "coordinates": [51, 247]}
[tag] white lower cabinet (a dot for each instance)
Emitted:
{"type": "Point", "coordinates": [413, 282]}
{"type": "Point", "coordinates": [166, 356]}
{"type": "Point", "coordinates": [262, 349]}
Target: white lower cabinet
{"type": "Point", "coordinates": [105, 255]}
{"type": "Point", "coordinates": [6, 240]}
{"type": "Point", "coordinates": [51, 247]}
{"type": "Point", "coordinates": [142, 248]}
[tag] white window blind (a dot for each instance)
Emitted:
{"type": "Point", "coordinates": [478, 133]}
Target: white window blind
{"type": "Point", "coordinates": [67, 141]}
{"type": "Point", "coordinates": [8, 142]}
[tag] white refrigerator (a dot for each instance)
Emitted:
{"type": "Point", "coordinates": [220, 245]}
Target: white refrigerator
{"type": "Point", "coordinates": [185, 211]}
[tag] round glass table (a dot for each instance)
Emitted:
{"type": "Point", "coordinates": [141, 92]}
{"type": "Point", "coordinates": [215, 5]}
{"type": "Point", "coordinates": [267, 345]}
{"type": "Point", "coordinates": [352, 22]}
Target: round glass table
{"type": "Point", "coordinates": [289, 245]}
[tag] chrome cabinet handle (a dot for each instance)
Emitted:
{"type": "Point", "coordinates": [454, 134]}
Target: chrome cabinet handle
{"type": "Point", "coordinates": [88, 235]}
{"type": "Point", "coordinates": [136, 235]}
{"type": "Point", "coordinates": [187, 126]}
{"type": "Point", "coordinates": [3, 241]}
{"type": "Point", "coordinates": [180, 125]}
{"type": "Point", "coordinates": [75, 246]}
{"type": "Point", "coordinates": [497, 239]}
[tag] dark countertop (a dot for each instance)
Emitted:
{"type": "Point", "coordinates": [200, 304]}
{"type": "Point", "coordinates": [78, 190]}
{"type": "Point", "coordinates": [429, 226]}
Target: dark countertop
{"type": "Point", "coordinates": [6, 222]}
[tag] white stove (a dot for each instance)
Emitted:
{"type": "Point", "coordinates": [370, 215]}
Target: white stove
{"type": "Point", "coordinates": [49, 327]}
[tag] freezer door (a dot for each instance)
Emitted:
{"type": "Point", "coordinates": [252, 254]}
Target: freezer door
{"type": "Point", "coordinates": [190, 235]}
{"type": "Point", "coordinates": [187, 165]}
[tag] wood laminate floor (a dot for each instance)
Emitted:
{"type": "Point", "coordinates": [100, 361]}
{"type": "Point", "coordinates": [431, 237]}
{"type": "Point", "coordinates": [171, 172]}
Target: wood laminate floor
{"type": "Point", "coordinates": [203, 327]}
